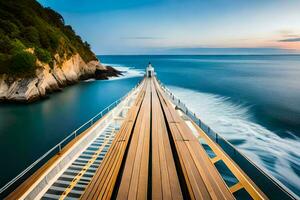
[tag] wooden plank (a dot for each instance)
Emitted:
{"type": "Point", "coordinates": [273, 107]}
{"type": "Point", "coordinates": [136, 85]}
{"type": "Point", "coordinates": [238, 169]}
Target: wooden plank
{"type": "Point", "coordinates": [108, 173]}
{"type": "Point", "coordinates": [165, 182]}
{"type": "Point", "coordinates": [201, 176]}
{"type": "Point", "coordinates": [134, 181]}
{"type": "Point", "coordinates": [112, 156]}
{"type": "Point", "coordinates": [236, 187]}
{"type": "Point", "coordinates": [196, 185]}
{"type": "Point", "coordinates": [194, 181]}
{"type": "Point", "coordinates": [102, 184]}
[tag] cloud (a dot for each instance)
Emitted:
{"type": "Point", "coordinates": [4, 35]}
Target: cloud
{"type": "Point", "coordinates": [289, 36]}
{"type": "Point", "coordinates": [292, 35]}
{"type": "Point", "coordinates": [142, 38]}
{"type": "Point", "coordinates": [285, 32]}
{"type": "Point", "coordinates": [293, 39]}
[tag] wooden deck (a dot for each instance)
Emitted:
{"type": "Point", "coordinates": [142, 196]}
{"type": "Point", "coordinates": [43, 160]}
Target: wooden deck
{"type": "Point", "coordinates": [200, 175]}
{"type": "Point", "coordinates": [165, 181]}
{"type": "Point", "coordinates": [103, 183]}
{"type": "Point", "coordinates": [156, 155]}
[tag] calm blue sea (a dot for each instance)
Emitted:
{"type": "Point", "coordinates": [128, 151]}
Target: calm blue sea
{"type": "Point", "coordinates": [253, 101]}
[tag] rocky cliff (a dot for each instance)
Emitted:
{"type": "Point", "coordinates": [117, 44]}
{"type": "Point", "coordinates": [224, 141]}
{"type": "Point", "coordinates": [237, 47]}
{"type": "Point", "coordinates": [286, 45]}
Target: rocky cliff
{"type": "Point", "coordinates": [47, 80]}
{"type": "Point", "coordinates": [40, 54]}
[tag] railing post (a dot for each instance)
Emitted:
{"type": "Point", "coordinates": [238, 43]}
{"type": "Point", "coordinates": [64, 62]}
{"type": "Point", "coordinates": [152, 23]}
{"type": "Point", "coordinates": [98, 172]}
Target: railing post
{"type": "Point", "coordinates": [59, 147]}
{"type": "Point", "coordinates": [75, 134]}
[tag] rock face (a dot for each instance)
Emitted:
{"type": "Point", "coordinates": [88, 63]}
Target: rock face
{"type": "Point", "coordinates": [48, 80]}
{"type": "Point", "coordinates": [101, 74]}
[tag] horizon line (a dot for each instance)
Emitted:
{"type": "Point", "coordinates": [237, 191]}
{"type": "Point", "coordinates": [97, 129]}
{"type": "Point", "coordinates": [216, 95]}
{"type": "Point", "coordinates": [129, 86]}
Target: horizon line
{"type": "Point", "coordinates": [279, 54]}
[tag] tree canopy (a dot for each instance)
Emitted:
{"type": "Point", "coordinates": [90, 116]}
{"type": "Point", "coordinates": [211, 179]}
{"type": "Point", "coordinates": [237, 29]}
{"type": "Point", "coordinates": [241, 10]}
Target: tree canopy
{"type": "Point", "coordinates": [26, 24]}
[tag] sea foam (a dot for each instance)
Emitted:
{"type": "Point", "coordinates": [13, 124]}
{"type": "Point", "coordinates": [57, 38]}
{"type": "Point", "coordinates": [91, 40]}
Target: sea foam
{"type": "Point", "coordinates": [128, 72]}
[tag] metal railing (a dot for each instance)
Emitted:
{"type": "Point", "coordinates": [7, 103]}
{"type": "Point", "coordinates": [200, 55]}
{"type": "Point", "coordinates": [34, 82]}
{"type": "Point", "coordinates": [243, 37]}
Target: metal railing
{"type": "Point", "coordinates": [58, 147]}
{"type": "Point", "coordinates": [265, 182]}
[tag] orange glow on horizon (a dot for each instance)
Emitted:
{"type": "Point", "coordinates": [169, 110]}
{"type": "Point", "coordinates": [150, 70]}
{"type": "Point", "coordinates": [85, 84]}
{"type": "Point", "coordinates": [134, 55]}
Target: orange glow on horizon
{"type": "Point", "coordinates": [290, 45]}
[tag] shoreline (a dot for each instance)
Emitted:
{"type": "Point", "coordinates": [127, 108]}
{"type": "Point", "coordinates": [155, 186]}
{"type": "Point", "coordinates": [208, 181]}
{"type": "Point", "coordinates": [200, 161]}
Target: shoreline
{"type": "Point", "coordinates": [20, 90]}
{"type": "Point", "coordinates": [61, 88]}
{"type": "Point", "coordinates": [107, 72]}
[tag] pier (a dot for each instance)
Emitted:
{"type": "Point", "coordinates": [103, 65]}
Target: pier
{"type": "Point", "coordinates": [149, 146]}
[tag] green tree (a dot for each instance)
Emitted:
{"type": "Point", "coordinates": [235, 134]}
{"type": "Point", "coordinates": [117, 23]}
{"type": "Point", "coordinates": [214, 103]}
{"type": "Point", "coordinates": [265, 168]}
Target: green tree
{"type": "Point", "coordinates": [17, 46]}
{"type": "Point", "coordinates": [9, 28]}
{"type": "Point", "coordinates": [5, 44]}
{"type": "Point", "coordinates": [87, 45]}
{"type": "Point", "coordinates": [44, 39]}
{"type": "Point", "coordinates": [43, 55]}
{"type": "Point", "coordinates": [27, 24]}
{"type": "Point", "coordinates": [23, 63]}
{"type": "Point", "coordinates": [54, 17]}
{"type": "Point", "coordinates": [4, 63]}
{"type": "Point", "coordinates": [54, 39]}
{"type": "Point", "coordinates": [32, 35]}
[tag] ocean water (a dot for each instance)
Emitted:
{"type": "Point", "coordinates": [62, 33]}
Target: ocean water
{"type": "Point", "coordinates": [253, 101]}
{"type": "Point", "coordinates": [29, 131]}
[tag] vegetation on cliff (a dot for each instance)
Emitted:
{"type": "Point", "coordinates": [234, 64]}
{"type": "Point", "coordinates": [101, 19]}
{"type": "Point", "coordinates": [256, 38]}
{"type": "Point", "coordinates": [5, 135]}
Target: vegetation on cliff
{"type": "Point", "coordinates": [29, 32]}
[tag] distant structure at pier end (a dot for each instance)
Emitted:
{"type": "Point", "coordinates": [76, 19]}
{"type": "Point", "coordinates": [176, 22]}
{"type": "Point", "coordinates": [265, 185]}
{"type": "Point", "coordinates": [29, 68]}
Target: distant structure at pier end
{"type": "Point", "coordinates": [150, 71]}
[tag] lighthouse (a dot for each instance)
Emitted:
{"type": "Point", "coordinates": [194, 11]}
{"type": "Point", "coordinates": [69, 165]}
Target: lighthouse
{"type": "Point", "coordinates": [150, 70]}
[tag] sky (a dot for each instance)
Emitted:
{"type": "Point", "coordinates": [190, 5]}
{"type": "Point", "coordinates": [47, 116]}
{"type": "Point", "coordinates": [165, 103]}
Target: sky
{"type": "Point", "coordinates": [184, 26]}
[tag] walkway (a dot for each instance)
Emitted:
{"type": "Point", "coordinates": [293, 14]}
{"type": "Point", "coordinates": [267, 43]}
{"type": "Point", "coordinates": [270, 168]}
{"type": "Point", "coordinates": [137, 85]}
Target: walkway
{"type": "Point", "coordinates": [156, 152]}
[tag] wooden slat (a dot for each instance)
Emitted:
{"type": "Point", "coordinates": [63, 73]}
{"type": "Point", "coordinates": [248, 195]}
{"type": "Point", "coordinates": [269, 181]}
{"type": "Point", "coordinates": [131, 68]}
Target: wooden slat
{"type": "Point", "coordinates": [134, 181]}
{"type": "Point", "coordinates": [202, 178]}
{"type": "Point", "coordinates": [236, 187]}
{"type": "Point", "coordinates": [244, 180]}
{"type": "Point", "coordinates": [102, 184]}
{"type": "Point", "coordinates": [165, 182]}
